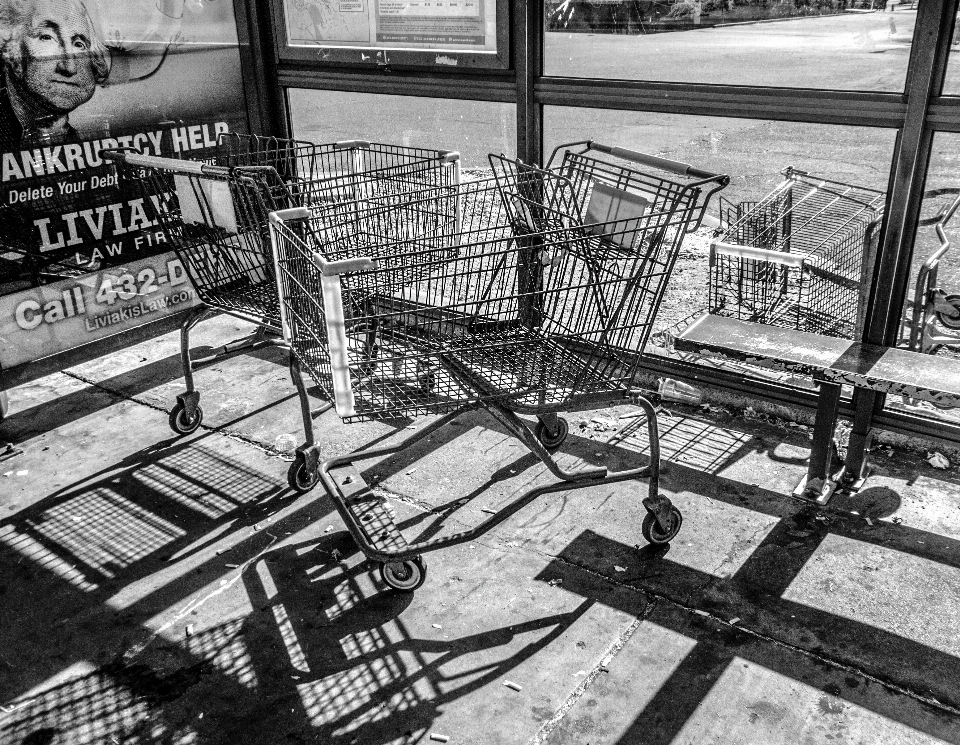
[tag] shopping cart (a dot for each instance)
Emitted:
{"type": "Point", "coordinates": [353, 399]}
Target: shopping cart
{"type": "Point", "coordinates": [934, 315]}
{"type": "Point", "coordinates": [542, 304]}
{"type": "Point", "coordinates": [215, 218]}
{"type": "Point", "coordinates": [799, 258]}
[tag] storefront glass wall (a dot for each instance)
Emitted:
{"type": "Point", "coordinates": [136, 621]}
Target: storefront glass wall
{"type": "Point", "coordinates": [474, 128]}
{"type": "Point", "coordinates": [828, 45]}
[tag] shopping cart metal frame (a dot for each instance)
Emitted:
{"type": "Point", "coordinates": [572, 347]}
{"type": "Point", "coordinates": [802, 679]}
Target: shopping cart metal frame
{"type": "Point", "coordinates": [263, 174]}
{"type": "Point", "coordinates": [932, 309]}
{"type": "Point", "coordinates": [801, 257]}
{"type": "Point", "coordinates": [401, 564]}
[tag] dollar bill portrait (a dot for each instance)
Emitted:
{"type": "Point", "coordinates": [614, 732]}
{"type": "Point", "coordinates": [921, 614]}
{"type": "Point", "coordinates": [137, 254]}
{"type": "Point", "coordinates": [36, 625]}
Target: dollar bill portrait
{"type": "Point", "coordinates": [53, 58]}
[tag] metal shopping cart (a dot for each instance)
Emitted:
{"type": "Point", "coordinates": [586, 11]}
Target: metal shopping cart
{"type": "Point", "coordinates": [541, 305]}
{"type": "Point", "coordinates": [799, 258]}
{"type": "Point", "coordinates": [934, 315]}
{"type": "Point", "coordinates": [215, 218]}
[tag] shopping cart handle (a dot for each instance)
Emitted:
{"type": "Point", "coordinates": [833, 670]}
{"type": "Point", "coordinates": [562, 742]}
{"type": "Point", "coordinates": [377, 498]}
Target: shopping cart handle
{"type": "Point", "coordinates": [348, 144]}
{"type": "Point", "coordinates": [719, 248]}
{"type": "Point", "coordinates": [152, 161]}
{"type": "Point", "coordinates": [294, 213]}
{"type": "Point", "coordinates": [334, 268]}
{"type": "Point", "coordinates": [664, 164]}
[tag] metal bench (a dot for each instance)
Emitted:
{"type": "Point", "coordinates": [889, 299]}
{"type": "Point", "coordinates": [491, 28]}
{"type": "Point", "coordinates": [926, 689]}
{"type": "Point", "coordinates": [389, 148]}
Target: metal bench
{"type": "Point", "coordinates": [832, 363]}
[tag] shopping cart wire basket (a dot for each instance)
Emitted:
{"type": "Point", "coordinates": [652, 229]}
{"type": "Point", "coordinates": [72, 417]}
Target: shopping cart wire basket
{"type": "Point", "coordinates": [542, 305]}
{"type": "Point", "coordinates": [801, 257]}
{"type": "Point", "coordinates": [215, 217]}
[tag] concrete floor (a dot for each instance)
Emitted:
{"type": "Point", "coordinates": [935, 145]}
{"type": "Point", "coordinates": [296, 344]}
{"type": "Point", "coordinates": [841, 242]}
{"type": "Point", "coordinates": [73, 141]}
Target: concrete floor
{"type": "Point", "coordinates": [156, 589]}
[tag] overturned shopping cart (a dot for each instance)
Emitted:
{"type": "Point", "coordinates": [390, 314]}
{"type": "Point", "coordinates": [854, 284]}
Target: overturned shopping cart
{"type": "Point", "coordinates": [799, 258]}
{"type": "Point", "coordinates": [541, 304]}
{"type": "Point", "coordinates": [215, 216]}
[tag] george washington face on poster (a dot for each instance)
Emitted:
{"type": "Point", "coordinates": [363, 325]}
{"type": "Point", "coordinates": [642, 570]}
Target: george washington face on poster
{"type": "Point", "coordinates": [53, 58]}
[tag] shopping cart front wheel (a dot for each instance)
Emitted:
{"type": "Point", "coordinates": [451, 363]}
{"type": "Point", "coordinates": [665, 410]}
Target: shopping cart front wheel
{"type": "Point", "coordinates": [181, 423]}
{"type": "Point", "coordinates": [300, 477]}
{"type": "Point", "coordinates": [656, 533]}
{"type": "Point", "coordinates": [405, 576]}
{"type": "Point", "coordinates": [552, 440]}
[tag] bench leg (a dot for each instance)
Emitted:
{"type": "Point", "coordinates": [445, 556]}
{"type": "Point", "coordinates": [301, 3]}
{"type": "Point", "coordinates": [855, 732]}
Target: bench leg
{"type": "Point", "coordinates": [819, 483]}
{"type": "Point", "coordinates": [856, 467]}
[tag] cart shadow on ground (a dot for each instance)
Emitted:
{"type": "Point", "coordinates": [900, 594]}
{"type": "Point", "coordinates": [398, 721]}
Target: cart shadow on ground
{"type": "Point", "coordinates": [320, 637]}
{"type": "Point", "coordinates": [804, 636]}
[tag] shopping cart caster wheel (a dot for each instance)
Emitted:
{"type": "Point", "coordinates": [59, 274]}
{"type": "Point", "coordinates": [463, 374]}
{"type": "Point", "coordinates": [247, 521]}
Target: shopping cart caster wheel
{"type": "Point", "coordinates": [950, 320]}
{"type": "Point", "coordinates": [552, 442]}
{"type": "Point", "coordinates": [179, 422]}
{"type": "Point", "coordinates": [405, 576]}
{"type": "Point", "coordinates": [299, 477]}
{"type": "Point", "coordinates": [652, 531]}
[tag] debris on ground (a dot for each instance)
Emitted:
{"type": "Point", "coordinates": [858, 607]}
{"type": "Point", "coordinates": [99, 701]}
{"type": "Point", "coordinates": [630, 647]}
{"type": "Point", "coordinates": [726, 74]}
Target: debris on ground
{"type": "Point", "coordinates": [602, 424]}
{"type": "Point", "coordinates": [7, 450]}
{"type": "Point", "coordinates": [514, 686]}
{"type": "Point", "coordinates": [438, 737]}
{"type": "Point", "coordinates": [897, 520]}
{"type": "Point", "coordinates": [437, 626]}
{"type": "Point", "coordinates": [617, 568]}
{"type": "Point", "coordinates": [938, 460]}
{"type": "Point", "coordinates": [555, 582]}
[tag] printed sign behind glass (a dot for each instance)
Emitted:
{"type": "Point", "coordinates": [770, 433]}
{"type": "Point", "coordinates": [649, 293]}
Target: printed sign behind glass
{"type": "Point", "coordinates": [455, 25]}
{"type": "Point", "coordinates": [81, 253]}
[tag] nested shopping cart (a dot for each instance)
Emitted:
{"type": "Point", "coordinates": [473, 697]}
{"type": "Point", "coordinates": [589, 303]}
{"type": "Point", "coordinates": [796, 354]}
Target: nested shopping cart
{"type": "Point", "coordinates": [215, 218]}
{"type": "Point", "coordinates": [538, 300]}
{"type": "Point", "coordinates": [933, 319]}
{"type": "Point", "coordinates": [799, 258]}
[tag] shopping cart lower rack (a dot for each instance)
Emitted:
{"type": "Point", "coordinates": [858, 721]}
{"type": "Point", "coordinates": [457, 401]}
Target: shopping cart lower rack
{"type": "Point", "coordinates": [799, 258]}
{"type": "Point", "coordinates": [215, 216]}
{"type": "Point", "coordinates": [542, 304]}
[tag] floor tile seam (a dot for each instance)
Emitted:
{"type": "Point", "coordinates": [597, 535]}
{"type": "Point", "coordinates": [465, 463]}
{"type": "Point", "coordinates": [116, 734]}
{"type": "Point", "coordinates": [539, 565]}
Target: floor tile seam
{"type": "Point", "coordinates": [601, 668]}
{"type": "Point", "coordinates": [222, 431]}
{"type": "Point", "coordinates": [655, 597]}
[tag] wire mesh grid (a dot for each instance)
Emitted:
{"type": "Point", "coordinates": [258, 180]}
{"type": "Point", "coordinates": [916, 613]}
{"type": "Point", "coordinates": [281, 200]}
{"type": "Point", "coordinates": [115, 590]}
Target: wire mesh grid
{"type": "Point", "coordinates": [306, 174]}
{"type": "Point", "coordinates": [215, 216]}
{"type": "Point", "coordinates": [816, 239]}
{"type": "Point", "coordinates": [530, 305]}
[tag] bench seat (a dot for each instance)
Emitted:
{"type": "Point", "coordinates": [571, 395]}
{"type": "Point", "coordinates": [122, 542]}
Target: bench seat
{"type": "Point", "coordinates": [882, 369]}
{"type": "Point", "coordinates": [832, 363]}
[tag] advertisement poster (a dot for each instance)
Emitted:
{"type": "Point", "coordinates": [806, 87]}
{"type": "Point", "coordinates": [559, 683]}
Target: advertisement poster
{"type": "Point", "coordinates": [81, 252]}
{"type": "Point", "coordinates": [454, 25]}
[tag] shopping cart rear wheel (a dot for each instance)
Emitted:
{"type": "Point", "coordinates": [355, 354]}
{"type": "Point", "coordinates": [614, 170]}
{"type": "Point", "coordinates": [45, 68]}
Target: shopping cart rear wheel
{"type": "Point", "coordinates": [405, 576]}
{"type": "Point", "coordinates": [951, 321]}
{"type": "Point", "coordinates": [552, 442]}
{"type": "Point", "coordinates": [179, 422]}
{"type": "Point", "coordinates": [652, 531]}
{"type": "Point", "coordinates": [299, 477]}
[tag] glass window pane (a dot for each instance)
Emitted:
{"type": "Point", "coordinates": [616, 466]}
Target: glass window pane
{"type": "Point", "coordinates": [932, 309]}
{"type": "Point", "coordinates": [951, 85]}
{"type": "Point", "coordinates": [846, 45]}
{"type": "Point", "coordinates": [847, 161]}
{"type": "Point", "coordinates": [474, 128]}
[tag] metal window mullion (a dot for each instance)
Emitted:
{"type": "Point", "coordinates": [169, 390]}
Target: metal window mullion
{"type": "Point", "coordinates": [528, 64]}
{"type": "Point", "coordinates": [925, 73]}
